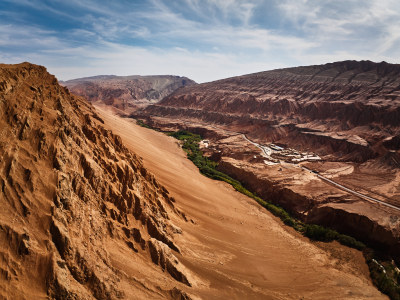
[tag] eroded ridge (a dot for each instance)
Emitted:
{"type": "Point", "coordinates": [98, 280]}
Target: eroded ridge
{"type": "Point", "coordinates": [73, 196]}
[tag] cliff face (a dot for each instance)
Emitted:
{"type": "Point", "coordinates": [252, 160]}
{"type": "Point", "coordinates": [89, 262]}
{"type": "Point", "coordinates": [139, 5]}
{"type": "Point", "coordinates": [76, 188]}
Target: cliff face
{"type": "Point", "coordinates": [126, 92]}
{"type": "Point", "coordinates": [353, 105]}
{"type": "Point", "coordinates": [75, 203]}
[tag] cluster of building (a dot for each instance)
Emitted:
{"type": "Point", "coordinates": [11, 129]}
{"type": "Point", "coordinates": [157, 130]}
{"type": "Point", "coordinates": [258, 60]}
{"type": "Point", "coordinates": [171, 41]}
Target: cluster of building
{"type": "Point", "coordinates": [275, 153]}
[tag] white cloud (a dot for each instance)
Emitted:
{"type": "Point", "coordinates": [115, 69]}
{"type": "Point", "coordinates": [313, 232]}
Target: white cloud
{"type": "Point", "coordinates": [128, 60]}
{"type": "Point", "coordinates": [204, 39]}
{"type": "Point", "coordinates": [33, 37]}
{"type": "Point", "coordinates": [113, 58]}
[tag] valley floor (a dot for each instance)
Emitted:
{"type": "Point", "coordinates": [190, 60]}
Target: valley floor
{"type": "Point", "coordinates": [234, 248]}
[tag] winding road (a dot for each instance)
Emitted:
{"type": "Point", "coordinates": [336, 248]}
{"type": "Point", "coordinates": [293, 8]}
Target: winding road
{"type": "Point", "coordinates": [263, 150]}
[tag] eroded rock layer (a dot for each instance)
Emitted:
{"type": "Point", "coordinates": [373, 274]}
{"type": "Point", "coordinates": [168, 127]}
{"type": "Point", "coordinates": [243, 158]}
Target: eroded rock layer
{"type": "Point", "coordinates": [349, 110]}
{"type": "Point", "coordinates": [126, 92]}
{"type": "Point", "coordinates": [75, 202]}
{"type": "Point", "coordinates": [339, 120]}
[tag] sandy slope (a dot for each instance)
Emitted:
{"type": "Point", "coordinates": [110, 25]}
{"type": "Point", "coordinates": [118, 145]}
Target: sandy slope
{"type": "Point", "coordinates": [234, 248]}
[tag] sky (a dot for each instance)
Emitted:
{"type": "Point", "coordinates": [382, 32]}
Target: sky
{"type": "Point", "coordinates": [204, 40]}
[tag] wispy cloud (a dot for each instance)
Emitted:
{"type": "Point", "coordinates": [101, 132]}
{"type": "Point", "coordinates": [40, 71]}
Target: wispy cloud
{"type": "Point", "coordinates": [202, 39]}
{"type": "Point", "coordinates": [21, 37]}
{"type": "Point", "coordinates": [355, 24]}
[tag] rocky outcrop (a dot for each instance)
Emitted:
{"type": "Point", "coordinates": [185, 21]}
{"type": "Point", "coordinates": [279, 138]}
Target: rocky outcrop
{"type": "Point", "coordinates": [69, 188]}
{"type": "Point", "coordinates": [161, 255]}
{"type": "Point", "coordinates": [126, 92]}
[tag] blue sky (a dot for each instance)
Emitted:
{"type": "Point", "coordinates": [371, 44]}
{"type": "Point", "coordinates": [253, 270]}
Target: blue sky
{"type": "Point", "coordinates": [202, 39]}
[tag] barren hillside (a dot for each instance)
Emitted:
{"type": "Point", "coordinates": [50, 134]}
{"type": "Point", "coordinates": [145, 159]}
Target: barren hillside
{"type": "Point", "coordinates": [76, 203]}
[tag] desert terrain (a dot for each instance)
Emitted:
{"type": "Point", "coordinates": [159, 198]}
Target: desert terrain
{"type": "Point", "coordinates": [96, 207]}
{"type": "Point", "coordinates": [199, 150]}
{"type": "Point", "coordinates": [237, 249]}
{"type": "Point", "coordinates": [320, 141]}
{"type": "Point", "coordinates": [78, 208]}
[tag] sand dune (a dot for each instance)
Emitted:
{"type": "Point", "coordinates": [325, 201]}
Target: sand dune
{"type": "Point", "coordinates": [234, 248]}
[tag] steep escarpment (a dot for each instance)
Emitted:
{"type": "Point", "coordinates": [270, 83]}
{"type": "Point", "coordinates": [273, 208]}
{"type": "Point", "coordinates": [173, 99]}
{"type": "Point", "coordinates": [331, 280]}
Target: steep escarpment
{"type": "Point", "coordinates": [126, 92]}
{"type": "Point", "coordinates": [77, 206]}
{"type": "Point", "coordinates": [312, 201]}
{"type": "Point", "coordinates": [352, 103]}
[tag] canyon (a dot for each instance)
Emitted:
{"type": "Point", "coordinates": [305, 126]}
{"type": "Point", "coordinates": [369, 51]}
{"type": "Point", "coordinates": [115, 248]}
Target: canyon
{"type": "Point", "coordinates": [294, 136]}
{"type": "Point", "coordinates": [89, 214]}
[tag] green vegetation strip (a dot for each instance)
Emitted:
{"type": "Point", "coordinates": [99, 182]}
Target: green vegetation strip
{"type": "Point", "coordinates": [386, 278]}
{"type": "Point", "coordinates": [384, 274]}
{"type": "Point", "coordinates": [208, 168]}
{"type": "Point", "coordinates": [143, 124]}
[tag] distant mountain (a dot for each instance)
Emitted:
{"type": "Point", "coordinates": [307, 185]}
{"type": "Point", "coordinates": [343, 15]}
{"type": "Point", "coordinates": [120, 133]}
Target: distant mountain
{"type": "Point", "coordinates": [126, 92]}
